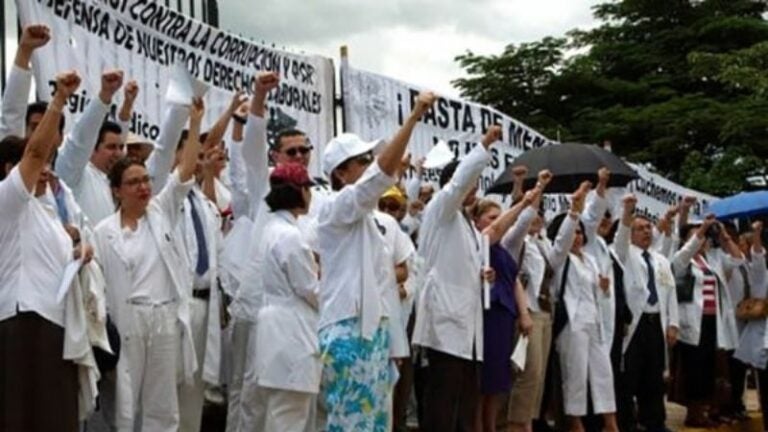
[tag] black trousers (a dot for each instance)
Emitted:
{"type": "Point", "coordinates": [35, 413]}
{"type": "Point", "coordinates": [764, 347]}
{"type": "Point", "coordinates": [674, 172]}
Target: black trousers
{"type": "Point", "coordinates": [762, 384]}
{"type": "Point", "coordinates": [38, 389]}
{"type": "Point", "coordinates": [452, 393]}
{"type": "Point", "coordinates": [644, 372]}
{"type": "Point", "coordinates": [738, 376]}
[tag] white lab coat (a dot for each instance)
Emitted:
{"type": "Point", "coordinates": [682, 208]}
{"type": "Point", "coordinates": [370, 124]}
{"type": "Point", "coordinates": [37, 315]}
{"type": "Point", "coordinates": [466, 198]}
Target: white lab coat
{"type": "Point", "coordinates": [601, 252]}
{"type": "Point", "coordinates": [288, 355]}
{"type": "Point", "coordinates": [88, 183]}
{"type": "Point", "coordinates": [690, 313]}
{"type": "Point", "coordinates": [162, 216]}
{"type": "Point", "coordinates": [450, 312]}
{"type": "Point", "coordinates": [15, 98]}
{"type": "Point", "coordinates": [752, 341]}
{"type": "Point", "coordinates": [636, 284]}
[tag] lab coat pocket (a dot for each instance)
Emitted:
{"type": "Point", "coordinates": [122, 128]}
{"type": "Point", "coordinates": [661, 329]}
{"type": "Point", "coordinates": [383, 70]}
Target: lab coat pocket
{"type": "Point", "coordinates": [452, 305]}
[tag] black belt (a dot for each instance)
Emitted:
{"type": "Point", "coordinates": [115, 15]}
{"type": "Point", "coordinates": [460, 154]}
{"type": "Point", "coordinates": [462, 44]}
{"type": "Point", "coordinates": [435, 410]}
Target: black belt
{"type": "Point", "coordinates": [202, 294]}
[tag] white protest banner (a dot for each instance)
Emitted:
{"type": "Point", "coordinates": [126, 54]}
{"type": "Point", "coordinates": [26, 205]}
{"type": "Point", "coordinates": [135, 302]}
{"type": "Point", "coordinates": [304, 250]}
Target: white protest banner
{"type": "Point", "coordinates": [146, 39]}
{"type": "Point", "coordinates": [375, 106]}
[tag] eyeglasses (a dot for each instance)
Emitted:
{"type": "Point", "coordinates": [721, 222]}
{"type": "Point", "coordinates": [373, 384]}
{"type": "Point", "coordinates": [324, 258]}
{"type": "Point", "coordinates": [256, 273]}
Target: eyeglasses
{"type": "Point", "coordinates": [136, 181]}
{"type": "Point", "coordinates": [293, 151]}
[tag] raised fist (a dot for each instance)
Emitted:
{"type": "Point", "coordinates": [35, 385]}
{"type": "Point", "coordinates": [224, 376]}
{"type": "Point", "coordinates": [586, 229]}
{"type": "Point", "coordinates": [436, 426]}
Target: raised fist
{"type": "Point", "coordinates": [34, 36]}
{"type": "Point", "coordinates": [67, 83]}
{"type": "Point", "coordinates": [111, 81]}
{"type": "Point", "coordinates": [424, 102]}
{"type": "Point", "coordinates": [265, 82]}
{"type": "Point", "coordinates": [492, 135]}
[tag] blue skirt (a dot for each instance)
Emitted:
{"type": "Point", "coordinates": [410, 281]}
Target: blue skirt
{"type": "Point", "coordinates": [357, 382]}
{"type": "Point", "coordinates": [498, 339]}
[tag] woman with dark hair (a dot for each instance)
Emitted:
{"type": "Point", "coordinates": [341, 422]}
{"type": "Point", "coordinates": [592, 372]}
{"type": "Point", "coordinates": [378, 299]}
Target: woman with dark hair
{"type": "Point", "coordinates": [353, 335]}
{"type": "Point", "coordinates": [38, 388]}
{"type": "Point", "coordinates": [287, 359]}
{"type": "Point", "coordinates": [147, 288]}
{"type": "Point", "coordinates": [707, 320]}
{"type": "Point", "coordinates": [578, 328]}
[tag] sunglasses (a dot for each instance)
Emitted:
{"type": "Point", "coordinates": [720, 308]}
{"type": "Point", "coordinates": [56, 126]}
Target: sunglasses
{"type": "Point", "coordinates": [292, 152]}
{"type": "Point", "coordinates": [364, 158]}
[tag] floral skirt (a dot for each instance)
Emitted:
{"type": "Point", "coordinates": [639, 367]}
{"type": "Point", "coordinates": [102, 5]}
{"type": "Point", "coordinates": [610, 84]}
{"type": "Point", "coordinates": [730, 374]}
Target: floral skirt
{"type": "Point", "coordinates": [357, 383]}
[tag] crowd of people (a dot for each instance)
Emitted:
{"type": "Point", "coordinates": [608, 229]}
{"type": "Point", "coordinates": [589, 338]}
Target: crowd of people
{"type": "Point", "coordinates": [212, 261]}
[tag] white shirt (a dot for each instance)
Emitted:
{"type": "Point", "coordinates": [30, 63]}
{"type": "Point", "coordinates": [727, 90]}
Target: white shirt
{"type": "Point", "coordinates": [35, 251]}
{"type": "Point", "coordinates": [534, 266]}
{"type": "Point", "coordinates": [89, 184]}
{"type": "Point", "coordinates": [352, 253]}
{"type": "Point", "coordinates": [450, 314]}
{"type": "Point", "coordinates": [15, 98]}
{"type": "Point", "coordinates": [151, 281]}
{"type": "Point", "coordinates": [399, 249]}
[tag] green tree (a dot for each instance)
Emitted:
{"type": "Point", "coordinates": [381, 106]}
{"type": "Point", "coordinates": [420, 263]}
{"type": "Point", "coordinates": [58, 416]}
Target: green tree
{"type": "Point", "coordinates": [677, 83]}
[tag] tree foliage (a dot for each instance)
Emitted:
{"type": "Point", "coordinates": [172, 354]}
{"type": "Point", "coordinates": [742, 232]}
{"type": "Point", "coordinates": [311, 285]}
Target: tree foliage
{"type": "Point", "coordinates": [678, 84]}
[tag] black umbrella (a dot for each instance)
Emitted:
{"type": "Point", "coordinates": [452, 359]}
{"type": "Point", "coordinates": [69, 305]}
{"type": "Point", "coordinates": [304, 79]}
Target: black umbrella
{"type": "Point", "coordinates": [570, 164]}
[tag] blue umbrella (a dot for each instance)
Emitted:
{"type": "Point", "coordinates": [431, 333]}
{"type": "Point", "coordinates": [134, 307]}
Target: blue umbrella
{"type": "Point", "coordinates": [744, 204]}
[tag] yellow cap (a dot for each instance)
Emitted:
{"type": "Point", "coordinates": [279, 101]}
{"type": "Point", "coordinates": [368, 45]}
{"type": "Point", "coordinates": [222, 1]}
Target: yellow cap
{"type": "Point", "coordinates": [396, 193]}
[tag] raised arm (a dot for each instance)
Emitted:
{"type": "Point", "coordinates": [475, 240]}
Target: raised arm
{"type": "Point", "coordinates": [757, 263]}
{"type": "Point", "coordinates": [685, 210]}
{"type": "Point", "coordinates": [254, 150]}
{"type": "Point", "coordinates": [390, 157]}
{"type": "Point", "coordinates": [518, 173]}
{"type": "Point", "coordinates": [596, 206]}
{"type": "Point", "coordinates": [189, 154]}
{"type": "Point", "coordinates": [40, 145]}
{"type": "Point", "coordinates": [160, 161]}
{"type": "Point", "coordinates": [130, 92]}
{"type": "Point", "coordinates": [240, 200]}
{"type": "Point", "coordinates": [622, 239]}
{"type": "Point", "coordinates": [354, 201]}
{"type": "Point", "coordinates": [448, 200]}
{"type": "Point", "coordinates": [219, 129]}
{"type": "Point", "coordinates": [564, 240]}
{"type": "Point", "coordinates": [14, 106]}
{"type": "Point", "coordinates": [665, 227]}
{"type": "Point", "coordinates": [81, 141]}
{"type": "Point", "coordinates": [683, 257]}
{"type": "Point", "coordinates": [510, 228]}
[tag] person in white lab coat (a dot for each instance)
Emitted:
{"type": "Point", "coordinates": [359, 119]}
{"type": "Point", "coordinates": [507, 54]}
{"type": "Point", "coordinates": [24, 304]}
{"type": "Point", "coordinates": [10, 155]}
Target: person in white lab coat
{"type": "Point", "coordinates": [354, 342]}
{"type": "Point", "coordinates": [707, 319]}
{"type": "Point", "coordinates": [753, 280]}
{"type": "Point", "coordinates": [449, 316]}
{"type": "Point", "coordinates": [584, 360]}
{"type": "Point", "coordinates": [148, 288]}
{"type": "Point", "coordinates": [200, 230]}
{"type": "Point", "coordinates": [287, 355]}
{"type": "Point", "coordinates": [94, 145]}
{"type": "Point", "coordinates": [651, 296]}
{"type": "Point", "coordinates": [38, 388]}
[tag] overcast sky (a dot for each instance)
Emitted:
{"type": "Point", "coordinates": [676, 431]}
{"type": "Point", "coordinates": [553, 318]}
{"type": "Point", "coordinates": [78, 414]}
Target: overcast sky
{"type": "Point", "coordinates": [412, 40]}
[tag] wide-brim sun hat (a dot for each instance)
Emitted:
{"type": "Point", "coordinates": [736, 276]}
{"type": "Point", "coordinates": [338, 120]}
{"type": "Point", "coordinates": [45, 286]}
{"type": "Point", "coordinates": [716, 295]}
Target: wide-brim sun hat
{"type": "Point", "coordinates": [344, 147]}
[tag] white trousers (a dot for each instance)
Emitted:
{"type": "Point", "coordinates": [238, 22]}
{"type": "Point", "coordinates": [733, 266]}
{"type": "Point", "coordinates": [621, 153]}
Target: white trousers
{"type": "Point", "coordinates": [147, 371]}
{"type": "Point", "coordinates": [192, 396]}
{"type": "Point", "coordinates": [284, 410]}
{"type": "Point", "coordinates": [252, 404]}
{"type": "Point", "coordinates": [584, 359]}
{"type": "Point", "coordinates": [239, 347]}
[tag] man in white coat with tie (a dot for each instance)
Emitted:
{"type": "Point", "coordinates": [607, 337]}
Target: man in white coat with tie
{"type": "Point", "coordinates": [449, 321]}
{"type": "Point", "coordinates": [651, 296]}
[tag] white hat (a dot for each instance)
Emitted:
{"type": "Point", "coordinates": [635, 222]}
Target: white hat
{"type": "Point", "coordinates": [346, 146]}
{"type": "Point", "coordinates": [133, 139]}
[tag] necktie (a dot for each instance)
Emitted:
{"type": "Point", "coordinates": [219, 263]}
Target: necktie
{"type": "Point", "coordinates": [202, 248]}
{"type": "Point", "coordinates": [653, 298]}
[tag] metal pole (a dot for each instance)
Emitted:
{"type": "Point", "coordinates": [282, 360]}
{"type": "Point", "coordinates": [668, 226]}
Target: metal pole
{"type": "Point", "coordinates": [2, 46]}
